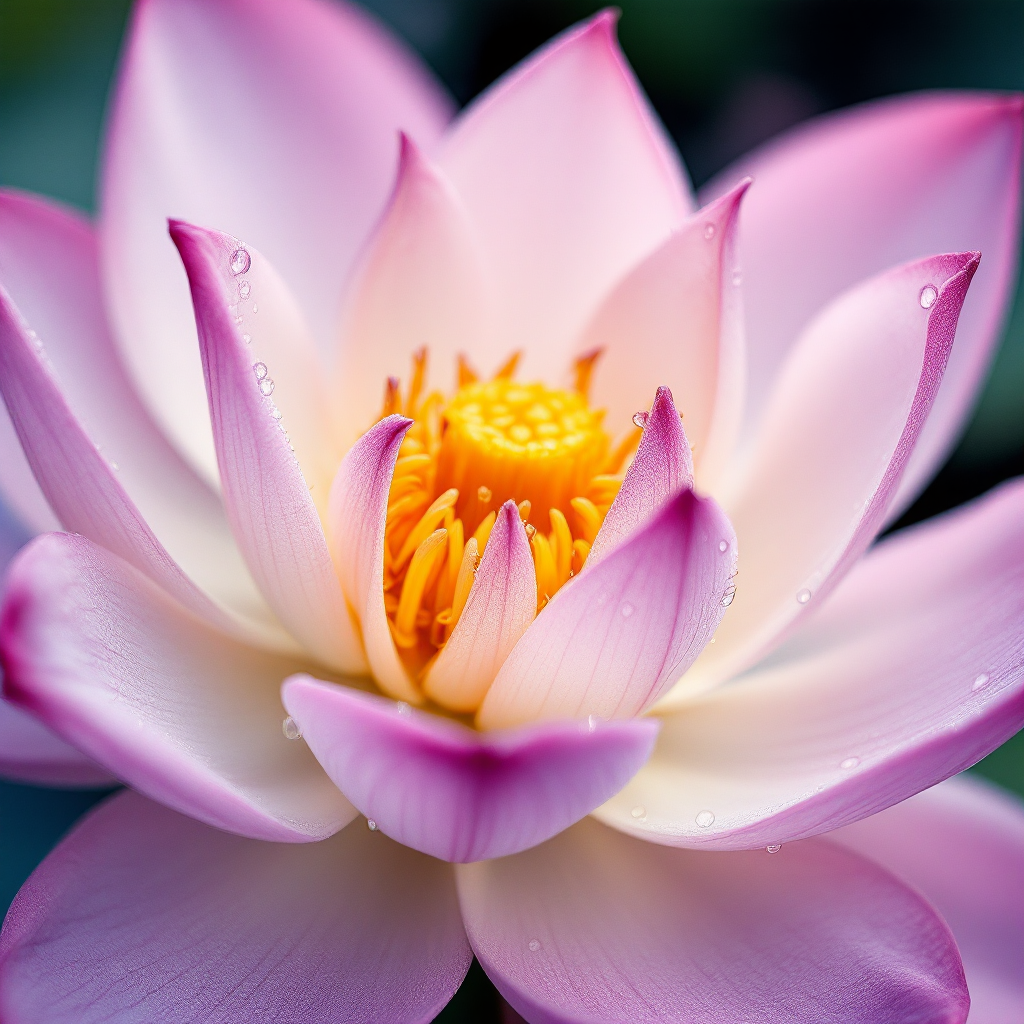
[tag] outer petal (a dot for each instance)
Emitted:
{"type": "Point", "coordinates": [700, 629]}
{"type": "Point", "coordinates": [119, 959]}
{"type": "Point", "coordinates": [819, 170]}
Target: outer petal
{"type": "Point", "coordinates": [597, 928]}
{"type": "Point", "coordinates": [570, 180]}
{"type": "Point", "coordinates": [912, 671]}
{"type": "Point", "coordinates": [962, 845]}
{"type": "Point", "coordinates": [439, 787]}
{"type": "Point", "coordinates": [143, 915]}
{"type": "Point", "coordinates": [676, 319]}
{"type": "Point", "coordinates": [273, 119]}
{"type": "Point", "coordinates": [269, 504]}
{"type": "Point", "coordinates": [168, 705]}
{"type": "Point", "coordinates": [615, 639]}
{"type": "Point", "coordinates": [833, 444]}
{"type": "Point", "coordinates": [421, 283]}
{"type": "Point", "coordinates": [852, 193]}
{"type": "Point", "coordinates": [357, 517]}
{"type": "Point", "coordinates": [83, 487]}
{"type": "Point", "coordinates": [88, 397]}
{"type": "Point", "coordinates": [501, 605]}
{"type": "Point", "coordinates": [662, 467]}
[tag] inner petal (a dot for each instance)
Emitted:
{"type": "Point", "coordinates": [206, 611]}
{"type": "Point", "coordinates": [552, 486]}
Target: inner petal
{"type": "Point", "coordinates": [465, 455]}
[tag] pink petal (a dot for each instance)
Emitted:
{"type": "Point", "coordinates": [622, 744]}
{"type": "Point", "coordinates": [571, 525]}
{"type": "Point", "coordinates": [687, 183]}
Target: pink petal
{"type": "Point", "coordinates": [29, 752]}
{"type": "Point", "coordinates": [357, 518]}
{"type": "Point", "coordinates": [501, 605]}
{"type": "Point", "coordinates": [268, 502]}
{"type": "Point", "coordinates": [441, 788]}
{"type": "Point", "coordinates": [597, 928]}
{"type": "Point", "coordinates": [421, 283]}
{"type": "Point", "coordinates": [853, 193]}
{"type": "Point", "coordinates": [833, 443]}
{"type": "Point", "coordinates": [912, 671]}
{"type": "Point", "coordinates": [570, 180]}
{"type": "Point", "coordinates": [613, 640]}
{"type": "Point", "coordinates": [276, 120]}
{"type": "Point", "coordinates": [83, 487]}
{"type": "Point", "coordinates": [61, 373]}
{"type": "Point", "coordinates": [143, 915]}
{"type": "Point", "coordinates": [662, 466]}
{"type": "Point", "coordinates": [675, 319]}
{"type": "Point", "coordinates": [172, 707]}
{"type": "Point", "coordinates": [962, 845]}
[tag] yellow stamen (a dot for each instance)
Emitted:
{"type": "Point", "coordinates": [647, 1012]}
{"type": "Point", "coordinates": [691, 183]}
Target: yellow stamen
{"type": "Point", "coordinates": [423, 562]}
{"type": "Point", "coordinates": [462, 458]}
{"type": "Point", "coordinates": [429, 522]}
{"type": "Point", "coordinates": [583, 370]}
{"type": "Point", "coordinates": [589, 518]}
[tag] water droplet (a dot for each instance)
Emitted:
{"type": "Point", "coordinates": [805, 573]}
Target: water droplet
{"type": "Point", "coordinates": [803, 596]}
{"type": "Point", "coordinates": [402, 708]}
{"type": "Point", "coordinates": [534, 945]}
{"type": "Point", "coordinates": [592, 721]}
{"type": "Point", "coordinates": [240, 261]}
{"type": "Point", "coordinates": [705, 819]}
{"type": "Point", "coordinates": [291, 729]}
{"type": "Point", "coordinates": [238, 321]}
{"type": "Point", "coordinates": [728, 597]}
{"type": "Point", "coordinates": [260, 369]}
{"type": "Point", "coordinates": [929, 293]}
{"type": "Point", "coordinates": [773, 847]}
{"type": "Point", "coordinates": [247, 338]}
{"type": "Point", "coordinates": [244, 288]}
{"type": "Point", "coordinates": [737, 278]}
{"type": "Point", "coordinates": [723, 546]}
{"type": "Point", "coordinates": [626, 610]}
{"type": "Point", "coordinates": [640, 419]}
{"type": "Point", "coordinates": [255, 308]}
{"type": "Point", "coordinates": [267, 387]}
{"type": "Point", "coordinates": [639, 812]}
{"type": "Point", "coordinates": [709, 231]}
{"type": "Point", "coordinates": [114, 466]}
{"type": "Point", "coordinates": [849, 762]}
{"type": "Point", "coordinates": [275, 412]}
{"type": "Point", "coordinates": [483, 494]}
{"type": "Point", "coordinates": [980, 681]}
{"type": "Point", "coordinates": [371, 824]}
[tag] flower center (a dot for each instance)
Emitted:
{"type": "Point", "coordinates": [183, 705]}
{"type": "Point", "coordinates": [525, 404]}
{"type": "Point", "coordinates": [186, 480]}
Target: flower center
{"type": "Point", "coordinates": [461, 460]}
{"type": "Point", "coordinates": [527, 442]}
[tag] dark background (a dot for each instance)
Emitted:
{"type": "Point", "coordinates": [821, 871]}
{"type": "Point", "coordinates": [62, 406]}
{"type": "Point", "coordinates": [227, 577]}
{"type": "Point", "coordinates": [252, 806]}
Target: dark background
{"type": "Point", "coordinates": [724, 75]}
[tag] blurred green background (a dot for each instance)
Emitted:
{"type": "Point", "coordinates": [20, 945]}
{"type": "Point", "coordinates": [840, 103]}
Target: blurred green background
{"type": "Point", "coordinates": [724, 74]}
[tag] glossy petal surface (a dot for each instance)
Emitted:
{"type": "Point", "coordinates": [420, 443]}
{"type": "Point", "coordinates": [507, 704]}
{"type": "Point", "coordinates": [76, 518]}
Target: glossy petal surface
{"type": "Point", "coordinates": [357, 517]}
{"type": "Point", "coordinates": [569, 180]}
{"type": "Point", "coordinates": [268, 501]}
{"type": "Point", "coordinates": [103, 657]}
{"type": "Point", "coordinates": [912, 671]}
{"type": "Point", "coordinates": [275, 120]}
{"type": "Point", "coordinates": [962, 844]}
{"type": "Point", "coordinates": [598, 928]}
{"type": "Point", "coordinates": [456, 794]}
{"type": "Point", "coordinates": [833, 444]}
{"type": "Point", "coordinates": [675, 319]}
{"type": "Point", "coordinates": [613, 640]}
{"type": "Point", "coordinates": [662, 466]}
{"type": "Point", "coordinates": [143, 915]}
{"type": "Point", "coordinates": [842, 198]}
{"type": "Point", "coordinates": [501, 605]}
{"type": "Point", "coordinates": [421, 283]}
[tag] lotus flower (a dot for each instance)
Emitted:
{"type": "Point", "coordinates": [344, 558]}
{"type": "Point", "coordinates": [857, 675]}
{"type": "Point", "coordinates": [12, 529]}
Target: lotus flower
{"type": "Point", "coordinates": [443, 559]}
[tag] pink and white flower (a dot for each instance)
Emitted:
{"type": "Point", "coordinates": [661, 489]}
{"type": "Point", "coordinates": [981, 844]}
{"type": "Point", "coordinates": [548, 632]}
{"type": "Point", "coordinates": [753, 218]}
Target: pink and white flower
{"type": "Point", "coordinates": [249, 536]}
